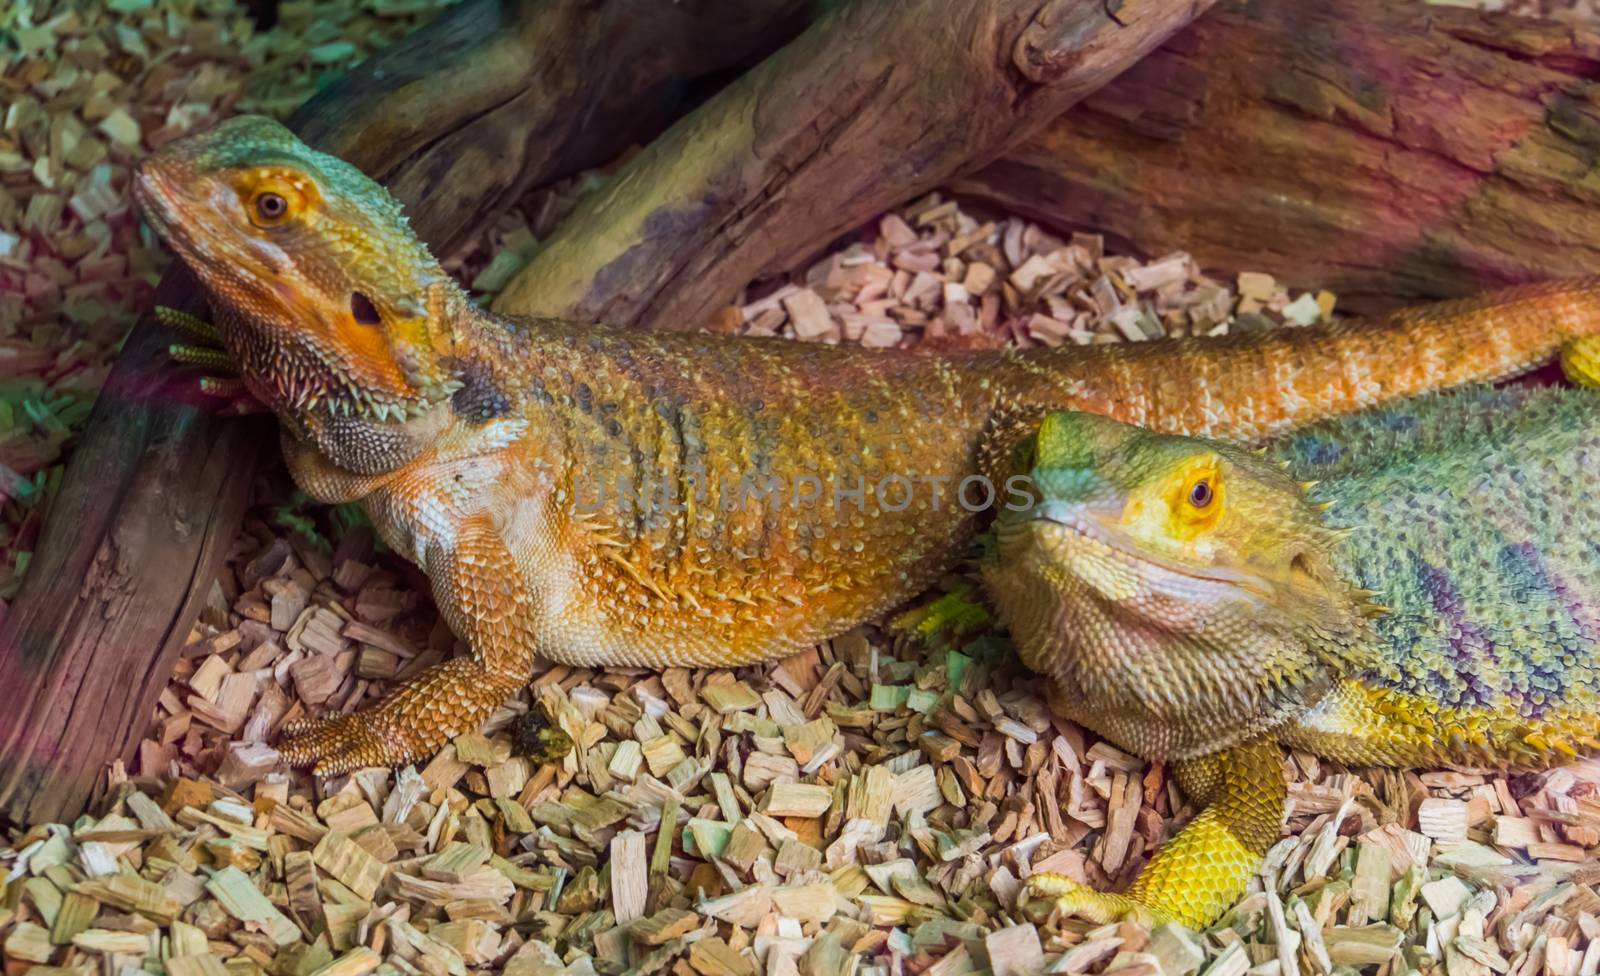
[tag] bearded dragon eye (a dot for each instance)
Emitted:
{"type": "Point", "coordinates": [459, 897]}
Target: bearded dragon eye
{"type": "Point", "coordinates": [1200, 493]}
{"type": "Point", "coordinates": [271, 206]}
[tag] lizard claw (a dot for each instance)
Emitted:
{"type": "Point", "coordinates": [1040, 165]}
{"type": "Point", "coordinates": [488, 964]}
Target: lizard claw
{"type": "Point", "coordinates": [1081, 901]}
{"type": "Point", "coordinates": [415, 722]}
{"type": "Point", "coordinates": [339, 743]}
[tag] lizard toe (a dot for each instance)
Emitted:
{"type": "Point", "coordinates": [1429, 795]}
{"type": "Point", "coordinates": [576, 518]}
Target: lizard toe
{"type": "Point", "coordinates": [206, 349]}
{"type": "Point", "coordinates": [338, 744]}
{"type": "Point", "coordinates": [1081, 901]}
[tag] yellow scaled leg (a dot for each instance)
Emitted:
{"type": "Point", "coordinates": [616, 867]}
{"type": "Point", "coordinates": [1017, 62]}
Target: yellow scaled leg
{"type": "Point", "coordinates": [1580, 361]}
{"type": "Point", "coordinates": [1082, 901]}
{"type": "Point", "coordinates": [1202, 871]}
{"type": "Point", "coordinates": [483, 599]}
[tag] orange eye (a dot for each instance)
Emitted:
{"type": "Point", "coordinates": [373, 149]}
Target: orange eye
{"type": "Point", "coordinates": [274, 197]}
{"type": "Point", "coordinates": [1190, 499]}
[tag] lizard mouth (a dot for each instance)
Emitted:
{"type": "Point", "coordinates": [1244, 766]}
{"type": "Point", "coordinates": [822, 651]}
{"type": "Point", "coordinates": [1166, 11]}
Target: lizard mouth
{"type": "Point", "coordinates": [1075, 534]}
{"type": "Point", "coordinates": [183, 222]}
{"type": "Point", "coordinates": [159, 208]}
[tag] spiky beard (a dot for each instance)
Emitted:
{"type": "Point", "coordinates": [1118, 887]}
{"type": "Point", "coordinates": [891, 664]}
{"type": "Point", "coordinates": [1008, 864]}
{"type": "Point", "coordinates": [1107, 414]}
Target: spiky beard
{"type": "Point", "coordinates": [1214, 662]}
{"type": "Point", "coordinates": [303, 382]}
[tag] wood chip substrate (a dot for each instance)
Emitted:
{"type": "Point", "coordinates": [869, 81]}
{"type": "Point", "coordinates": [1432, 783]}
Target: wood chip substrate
{"type": "Point", "coordinates": [872, 806]}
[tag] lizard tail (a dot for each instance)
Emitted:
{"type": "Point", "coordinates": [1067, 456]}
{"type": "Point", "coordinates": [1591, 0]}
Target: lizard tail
{"type": "Point", "coordinates": [1250, 386]}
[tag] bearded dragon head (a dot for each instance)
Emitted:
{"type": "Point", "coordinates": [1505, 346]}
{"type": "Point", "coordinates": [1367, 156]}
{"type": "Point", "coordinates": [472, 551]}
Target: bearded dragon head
{"type": "Point", "coordinates": [1180, 579]}
{"type": "Point", "coordinates": [330, 304]}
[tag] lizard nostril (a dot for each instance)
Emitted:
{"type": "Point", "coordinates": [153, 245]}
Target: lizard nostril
{"type": "Point", "coordinates": [362, 309]}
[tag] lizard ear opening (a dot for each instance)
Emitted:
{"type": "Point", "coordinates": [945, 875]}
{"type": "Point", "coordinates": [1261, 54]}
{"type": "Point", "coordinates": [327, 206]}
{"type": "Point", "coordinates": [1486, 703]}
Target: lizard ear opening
{"type": "Point", "coordinates": [362, 309]}
{"type": "Point", "coordinates": [1300, 570]}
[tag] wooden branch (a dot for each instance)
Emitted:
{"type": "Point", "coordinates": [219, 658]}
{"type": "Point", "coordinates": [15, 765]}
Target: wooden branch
{"type": "Point", "coordinates": [874, 104]}
{"type": "Point", "coordinates": [457, 119]}
{"type": "Point", "coordinates": [532, 90]}
{"type": "Point", "coordinates": [1390, 151]}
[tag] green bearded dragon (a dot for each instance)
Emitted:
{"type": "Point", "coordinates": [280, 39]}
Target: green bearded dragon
{"type": "Point", "coordinates": [1414, 586]}
{"type": "Point", "coordinates": [563, 485]}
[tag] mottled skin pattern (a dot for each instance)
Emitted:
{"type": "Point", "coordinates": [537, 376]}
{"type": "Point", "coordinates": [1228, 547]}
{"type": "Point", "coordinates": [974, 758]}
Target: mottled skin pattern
{"type": "Point", "coordinates": [1462, 523]}
{"type": "Point", "coordinates": [480, 445]}
{"type": "Point", "coordinates": [1421, 599]}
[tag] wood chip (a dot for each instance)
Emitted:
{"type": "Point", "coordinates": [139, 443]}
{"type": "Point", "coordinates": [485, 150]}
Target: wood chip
{"type": "Point", "coordinates": [629, 876]}
{"type": "Point", "coordinates": [1443, 819]}
{"type": "Point", "coordinates": [797, 800]}
{"type": "Point", "coordinates": [239, 897]}
{"type": "Point", "coordinates": [350, 863]}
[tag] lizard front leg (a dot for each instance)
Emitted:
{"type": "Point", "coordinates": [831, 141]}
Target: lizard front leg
{"type": "Point", "coordinates": [484, 600]}
{"type": "Point", "coordinates": [1194, 877]}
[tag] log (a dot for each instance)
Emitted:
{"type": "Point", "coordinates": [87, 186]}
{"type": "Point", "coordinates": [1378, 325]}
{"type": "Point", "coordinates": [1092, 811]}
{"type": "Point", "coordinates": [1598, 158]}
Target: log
{"type": "Point", "coordinates": [523, 102]}
{"type": "Point", "coordinates": [874, 104]}
{"type": "Point", "coordinates": [457, 119]}
{"type": "Point", "coordinates": [1391, 151]}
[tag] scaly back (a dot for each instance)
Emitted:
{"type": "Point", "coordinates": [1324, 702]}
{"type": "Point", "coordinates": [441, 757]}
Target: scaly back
{"type": "Point", "coordinates": [1473, 516]}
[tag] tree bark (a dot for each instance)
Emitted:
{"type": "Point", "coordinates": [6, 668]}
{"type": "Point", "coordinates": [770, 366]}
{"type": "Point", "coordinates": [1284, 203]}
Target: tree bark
{"type": "Point", "coordinates": [875, 103]}
{"type": "Point", "coordinates": [457, 119]}
{"type": "Point", "coordinates": [1388, 150]}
